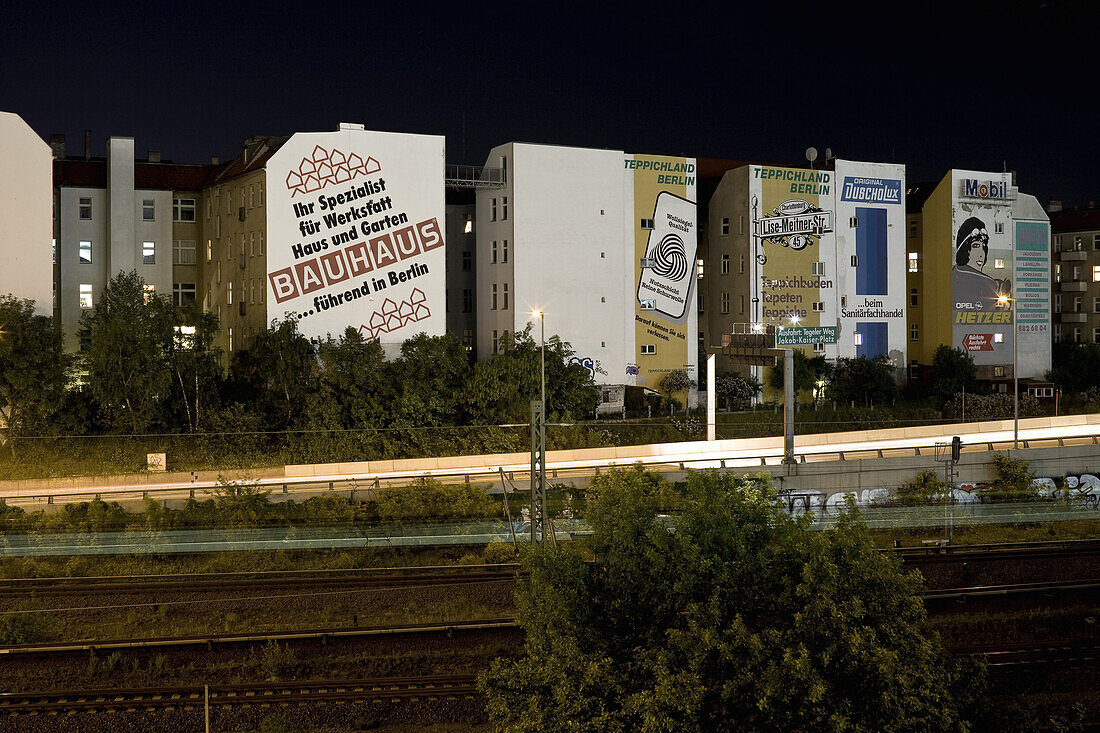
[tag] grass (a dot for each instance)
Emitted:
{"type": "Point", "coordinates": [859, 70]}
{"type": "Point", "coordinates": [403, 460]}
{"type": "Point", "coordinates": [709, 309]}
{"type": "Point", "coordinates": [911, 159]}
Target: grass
{"type": "Point", "coordinates": [983, 534]}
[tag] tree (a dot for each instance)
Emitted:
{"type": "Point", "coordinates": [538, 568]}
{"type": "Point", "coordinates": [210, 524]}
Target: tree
{"type": "Point", "coordinates": [353, 379]}
{"type": "Point", "coordinates": [738, 392]}
{"type": "Point", "coordinates": [676, 381]}
{"type": "Point", "coordinates": [130, 335]}
{"type": "Point", "coordinates": [33, 365]}
{"type": "Point", "coordinates": [740, 619]}
{"type": "Point", "coordinates": [952, 372]}
{"type": "Point", "coordinates": [1076, 367]}
{"type": "Point", "coordinates": [429, 379]}
{"type": "Point", "coordinates": [863, 380]}
{"type": "Point", "coordinates": [807, 372]}
{"type": "Point", "coordinates": [195, 363]}
{"type": "Point", "coordinates": [278, 372]}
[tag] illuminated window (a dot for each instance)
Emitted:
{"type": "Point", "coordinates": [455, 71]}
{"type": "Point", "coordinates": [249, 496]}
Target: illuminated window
{"type": "Point", "coordinates": [858, 337]}
{"type": "Point", "coordinates": [85, 295]}
{"type": "Point", "coordinates": [1096, 273]}
{"type": "Point", "coordinates": [148, 253]}
{"type": "Point", "coordinates": [913, 262]}
{"type": "Point", "coordinates": [998, 371]}
{"type": "Point", "coordinates": [148, 292]}
{"type": "Point", "coordinates": [84, 253]}
{"type": "Point", "coordinates": [699, 267]}
{"type": "Point", "coordinates": [998, 264]}
{"type": "Point", "coordinates": [998, 338]}
{"type": "Point", "coordinates": [229, 293]}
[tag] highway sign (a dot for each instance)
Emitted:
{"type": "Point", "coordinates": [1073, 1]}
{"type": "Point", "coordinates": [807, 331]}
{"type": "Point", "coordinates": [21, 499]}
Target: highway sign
{"type": "Point", "coordinates": [801, 335]}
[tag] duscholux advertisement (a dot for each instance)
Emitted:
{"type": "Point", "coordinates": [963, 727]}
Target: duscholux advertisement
{"type": "Point", "coordinates": [665, 243]}
{"type": "Point", "coordinates": [981, 276]}
{"type": "Point", "coordinates": [793, 248]}
{"type": "Point", "coordinates": [871, 259]}
{"type": "Point", "coordinates": [355, 233]}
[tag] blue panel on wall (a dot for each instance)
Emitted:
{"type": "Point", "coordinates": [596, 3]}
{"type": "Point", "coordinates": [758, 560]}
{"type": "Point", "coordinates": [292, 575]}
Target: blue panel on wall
{"type": "Point", "coordinates": [871, 251]}
{"type": "Point", "coordinates": [876, 340]}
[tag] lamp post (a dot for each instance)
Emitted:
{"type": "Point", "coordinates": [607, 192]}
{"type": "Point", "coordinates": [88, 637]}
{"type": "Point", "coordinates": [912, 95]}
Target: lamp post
{"type": "Point", "coordinates": [538, 441]}
{"type": "Point", "coordinates": [1003, 300]}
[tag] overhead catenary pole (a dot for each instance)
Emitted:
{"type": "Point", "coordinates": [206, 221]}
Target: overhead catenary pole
{"type": "Point", "coordinates": [788, 406]}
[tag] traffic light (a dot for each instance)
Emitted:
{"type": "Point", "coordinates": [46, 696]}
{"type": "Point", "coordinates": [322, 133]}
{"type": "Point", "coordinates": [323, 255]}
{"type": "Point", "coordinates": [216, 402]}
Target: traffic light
{"type": "Point", "coordinates": [956, 448]}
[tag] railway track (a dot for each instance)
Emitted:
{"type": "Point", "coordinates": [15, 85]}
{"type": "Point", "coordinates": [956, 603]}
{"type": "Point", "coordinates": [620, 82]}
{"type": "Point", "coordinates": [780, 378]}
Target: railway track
{"type": "Point", "coordinates": [277, 693]}
{"type": "Point", "coordinates": [936, 553]}
{"type": "Point", "coordinates": [379, 578]}
{"type": "Point", "coordinates": [1004, 657]}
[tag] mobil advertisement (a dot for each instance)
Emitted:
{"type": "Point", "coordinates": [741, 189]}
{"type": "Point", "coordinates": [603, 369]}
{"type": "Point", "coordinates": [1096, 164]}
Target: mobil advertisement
{"type": "Point", "coordinates": [665, 243]}
{"type": "Point", "coordinates": [355, 233]}
{"type": "Point", "coordinates": [981, 273]}
{"type": "Point", "coordinates": [871, 259]}
{"type": "Point", "coordinates": [793, 221]}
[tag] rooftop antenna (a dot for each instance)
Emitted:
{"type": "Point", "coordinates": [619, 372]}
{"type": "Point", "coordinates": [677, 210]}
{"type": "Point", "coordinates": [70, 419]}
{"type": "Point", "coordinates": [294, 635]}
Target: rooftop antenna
{"type": "Point", "coordinates": [828, 154]}
{"type": "Point", "coordinates": [811, 155]}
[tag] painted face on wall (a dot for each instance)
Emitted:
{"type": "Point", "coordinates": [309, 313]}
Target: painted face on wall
{"type": "Point", "coordinates": [972, 244]}
{"type": "Point", "coordinates": [977, 254]}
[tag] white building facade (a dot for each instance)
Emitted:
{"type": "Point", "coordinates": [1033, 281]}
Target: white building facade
{"type": "Point", "coordinates": [25, 210]}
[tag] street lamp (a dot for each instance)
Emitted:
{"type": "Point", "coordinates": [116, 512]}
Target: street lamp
{"type": "Point", "coordinates": [538, 441]}
{"type": "Point", "coordinates": [1004, 300]}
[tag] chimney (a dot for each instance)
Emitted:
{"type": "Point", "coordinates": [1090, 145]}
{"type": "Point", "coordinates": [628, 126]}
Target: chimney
{"type": "Point", "coordinates": [153, 156]}
{"type": "Point", "coordinates": [1054, 206]}
{"type": "Point", "coordinates": [87, 145]}
{"type": "Point", "coordinates": [215, 160]}
{"type": "Point", "coordinates": [57, 144]}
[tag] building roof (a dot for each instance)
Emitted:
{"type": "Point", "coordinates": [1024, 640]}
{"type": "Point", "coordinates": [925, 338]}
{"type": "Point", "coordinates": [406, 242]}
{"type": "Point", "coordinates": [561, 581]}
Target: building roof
{"type": "Point", "coordinates": [255, 155]}
{"type": "Point", "coordinates": [92, 173]}
{"type": "Point", "coordinates": [1075, 220]}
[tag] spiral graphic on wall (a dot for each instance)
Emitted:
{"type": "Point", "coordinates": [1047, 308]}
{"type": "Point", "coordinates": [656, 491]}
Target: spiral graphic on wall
{"type": "Point", "coordinates": [670, 258]}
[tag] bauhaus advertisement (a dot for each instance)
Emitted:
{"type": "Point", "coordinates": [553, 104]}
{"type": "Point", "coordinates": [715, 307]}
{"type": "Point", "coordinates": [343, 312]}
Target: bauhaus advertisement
{"type": "Point", "coordinates": [981, 275]}
{"type": "Point", "coordinates": [355, 233]}
{"type": "Point", "coordinates": [665, 243]}
{"type": "Point", "coordinates": [792, 246]}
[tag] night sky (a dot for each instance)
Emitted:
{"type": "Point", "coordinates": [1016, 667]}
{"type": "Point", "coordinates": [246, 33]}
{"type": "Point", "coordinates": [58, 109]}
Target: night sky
{"type": "Point", "coordinates": [990, 86]}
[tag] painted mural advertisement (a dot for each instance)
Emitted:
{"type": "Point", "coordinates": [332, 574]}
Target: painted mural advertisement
{"type": "Point", "coordinates": [355, 233]}
{"type": "Point", "coordinates": [870, 259]}
{"type": "Point", "coordinates": [1032, 290]}
{"type": "Point", "coordinates": [665, 246]}
{"type": "Point", "coordinates": [793, 222]}
{"type": "Point", "coordinates": [981, 277]}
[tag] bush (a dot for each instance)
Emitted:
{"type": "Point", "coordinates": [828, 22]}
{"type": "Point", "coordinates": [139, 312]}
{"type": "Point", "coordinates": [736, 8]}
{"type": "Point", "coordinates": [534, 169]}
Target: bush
{"type": "Point", "coordinates": [1013, 483]}
{"type": "Point", "coordinates": [926, 488]}
{"type": "Point", "coordinates": [995, 406]}
{"type": "Point", "coordinates": [277, 661]}
{"type": "Point", "coordinates": [428, 498]}
{"type": "Point", "coordinates": [21, 628]}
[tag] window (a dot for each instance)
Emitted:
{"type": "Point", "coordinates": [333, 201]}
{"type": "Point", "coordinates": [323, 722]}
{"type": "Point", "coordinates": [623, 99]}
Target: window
{"type": "Point", "coordinates": [261, 193]}
{"type": "Point", "coordinates": [741, 265]}
{"type": "Point", "coordinates": [1096, 241]}
{"type": "Point", "coordinates": [740, 223]}
{"type": "Point", "coordinates": [999, 227]}
{"type": "Point", "coordinates": [648, 349]}
{"type": "Point", "coordinates": [844, 301]}
{"type": "Point", "coordinates": [699, 268]}
{"type": "Point", "coordinates": [725, 302]}
{"type": "Point", "coordinates": [504, 293]}
{"type": "Point", "coordinates": [493, 301]}
{"type": "Point", "coordinates": [855, 260]}
{"type": "Point", "coordinates": [252, 244]}
{"type": "Point", "coordinates": [1096, 273]}
{"type": "Point", "coordinates": [493, 217]}
{"type": "Point", "coordinates": [853, 222]}
{"type": "Point", "coordinates": [148, 292]}
{"type": "Point", "coordinates": [230, 338]}
{"type": "Point", "coordinates": [819, 306]}
{"type": "Point", "coordinates": [858, 338]}
{"type": "Point", "coordinates": [914, 332]}
{"type": "Point", "coordinates": [467, 337]}
{"type": "Point", "coordinates": [1076, 335]}
{"type": "Point", "coordinates": [648, 305]}
{"type": "Point", "coordinates": [467, 300]}
{"type": "Point", "coordinates": [1096, 335]}
{"type": "Point", "coordinates": [54, 250]}
{"type": "Point", "coordinates": [913, 296]}
{"type": "Point", "coordinates": [998, 264]}
{"type": "Point", "coordinates": [209, 250]}
{"type": "Point", "coordinates": [251, 196]}
{"type": "Point", "coordinates": [998, 338]}
{"type": "Point", "coordinates": [725, 226]}
{"type": "Point", "coordinates": [229, 293]}
{"type": "Point", "coordinates": [493, 256]}
{"type": "Point", "coordinates": [1076, 273]}
{"type": "Point", "coordinates": [1057, 302]}
{"type": "Point", "coordinates": [1077, 304]}
{"type": "Point", "coordinates": [148, 253]}
{"type": "Point", "coordinates": [496, 342]}
{"type": "Point", "coordinates": [1057, 334]}
{"type": "Point", "coordinates": [819, 347]}
{"type": "Point", "coordinates": [817, 268]}
{"type": "Point", "coordinates": [648, 262]}
{"type": "Point", "coordinates": [647, 224]}
{"type": "Point", "coordinates": [467, 260]}
{"type": "Point", "coordinates": [260, 243]}
{"type": "Point", "coordinates": [86, 209]}
{"type": "Point", "coordinates": [913, 228]}
{"type": "Point", "coordinates": [725, 264]}
{"type": "Point", "coordinates": [504, 250]}
{"type": "Point", "coordinates": [742, 305]}
{"type": "Point", "coordinates": [504, 207]}
{"type": "Point", "coordinates": [913, 262]}
{"type": "Point", "coordinates": [85, 295]}
{"type": "Point", "coordinates": [183, 251]}
{"type": "Point", "coordinates": [148, 210]}
{"type": "Point", "coordinates": [84, 252]}
{"type": "Point", "coordinates": [698, 301]}
{"type": "Point", "coordinates": [1057, 273]}
{"type": "Point", "coordinates": [1078, 245]}
{"type": "Point", "coordinates": [1058, 243]}
{"type": "Point", "coordinates": [998, 371]}
{"type": "Point", "coordinates": [1096, 305]}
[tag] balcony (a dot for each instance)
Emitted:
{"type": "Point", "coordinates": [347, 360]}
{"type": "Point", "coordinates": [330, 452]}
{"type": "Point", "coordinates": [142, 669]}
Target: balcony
{"type": "Point", "coordinates": [1073, 317]}
{"type": "Point", "coordinates": [1073, 256]}
{"type": "Point", "coordinates": [474, 176]}
{"type": "Point", "coordinates": [1074, 286]}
